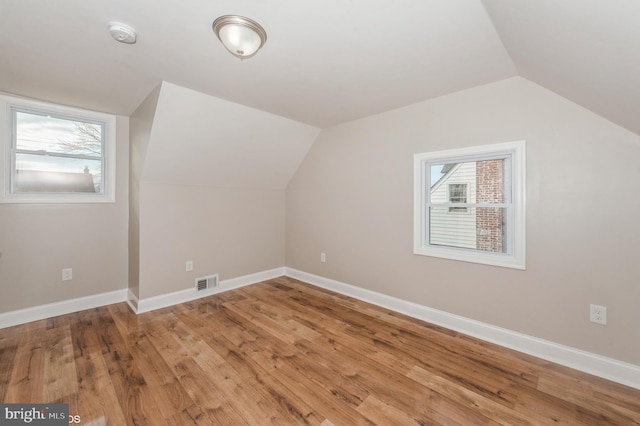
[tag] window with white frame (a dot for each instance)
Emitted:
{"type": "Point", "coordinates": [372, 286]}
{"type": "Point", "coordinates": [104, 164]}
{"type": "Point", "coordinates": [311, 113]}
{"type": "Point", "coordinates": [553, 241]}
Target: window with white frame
{"type": "Point", "coordinates": [487, 183]}
{"type": "Point", "coordinates": [56, 154]}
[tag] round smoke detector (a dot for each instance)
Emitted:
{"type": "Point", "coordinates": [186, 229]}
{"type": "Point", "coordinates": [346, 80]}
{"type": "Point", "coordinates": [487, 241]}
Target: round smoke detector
{"type": "Point", "coordinates": [122, 33]}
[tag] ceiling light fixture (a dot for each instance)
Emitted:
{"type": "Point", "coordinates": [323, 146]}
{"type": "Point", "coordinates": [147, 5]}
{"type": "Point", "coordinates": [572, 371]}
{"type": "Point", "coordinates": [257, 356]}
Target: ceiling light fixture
{"type": "Point", "coordinates": [241, 36]}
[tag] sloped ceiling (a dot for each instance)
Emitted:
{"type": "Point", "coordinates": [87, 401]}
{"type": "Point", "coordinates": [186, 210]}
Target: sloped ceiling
{"type": "Point", "coordinates": [324, 62]}
{"type": "Point", "coordinates": [587, 51]}
{"type": "Point", "coordinates": [197, 139]}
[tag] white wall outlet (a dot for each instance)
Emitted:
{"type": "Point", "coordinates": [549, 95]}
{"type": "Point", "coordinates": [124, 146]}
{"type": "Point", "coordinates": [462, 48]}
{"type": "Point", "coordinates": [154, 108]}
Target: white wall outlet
{"type": "Point", "coordinates": [189, 266]}
{"type": "Point", "coordinates": [598, 314]}
{"type": "Point", "coordinates": [323, 257]}
{"type": "Point", "coordinates": [67, 274]}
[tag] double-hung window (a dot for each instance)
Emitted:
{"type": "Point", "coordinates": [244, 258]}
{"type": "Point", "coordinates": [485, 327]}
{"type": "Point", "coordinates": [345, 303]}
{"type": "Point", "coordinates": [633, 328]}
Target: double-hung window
{"type": "Point", "coordinates": [56, 154]}
{"type": "Point", "coordinates": [469, 204]}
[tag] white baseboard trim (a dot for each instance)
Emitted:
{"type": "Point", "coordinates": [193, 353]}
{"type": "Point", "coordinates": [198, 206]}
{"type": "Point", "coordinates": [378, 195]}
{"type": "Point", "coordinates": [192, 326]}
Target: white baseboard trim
{"type": "Point", "coordinates": [140, 306]}
{"type": "Point", "coordinates": [132, 300]}
{"type": "Point", "coordinates": [607, 368]}
{"type": "Point", "coordinates": [36, 313]}
{"type": "Point", "coordinates": [597, 365]}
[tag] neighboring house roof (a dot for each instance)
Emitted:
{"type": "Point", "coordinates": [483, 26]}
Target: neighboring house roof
{"type": "Point", "coordinates": [43, 181]}
{"type": "Point", "coordinates": [447, 171]}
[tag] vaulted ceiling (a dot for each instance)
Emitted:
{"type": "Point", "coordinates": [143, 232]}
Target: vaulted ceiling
{"type": "Point", "coordinates": [325, 62]}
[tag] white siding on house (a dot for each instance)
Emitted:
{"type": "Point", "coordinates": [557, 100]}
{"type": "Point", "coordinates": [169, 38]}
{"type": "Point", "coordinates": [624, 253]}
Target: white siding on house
{"type": "Point", "coordinates": [455, 228]}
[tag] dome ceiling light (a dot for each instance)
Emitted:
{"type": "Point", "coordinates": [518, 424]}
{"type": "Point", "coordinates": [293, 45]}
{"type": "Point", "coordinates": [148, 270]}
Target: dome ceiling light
{"type": "Point", "coordinates": [241, 36]}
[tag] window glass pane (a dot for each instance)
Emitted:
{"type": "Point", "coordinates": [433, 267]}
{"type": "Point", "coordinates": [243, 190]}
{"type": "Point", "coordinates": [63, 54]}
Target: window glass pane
{"type": "Point", "coordinates": [481, 228]}
{"type": "Point", "coordinates": [475, 182]}
{"type": "Point", "coordinates": [50, 173]}
{"type": "Point", "coordinates": [35, 132]}
{"type": "Point", "coordinates": [57, 155]}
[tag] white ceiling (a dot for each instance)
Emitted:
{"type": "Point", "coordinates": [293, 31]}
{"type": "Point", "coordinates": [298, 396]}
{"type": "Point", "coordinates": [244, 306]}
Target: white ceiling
{"type": "Point", "coordinates": [325, 62]}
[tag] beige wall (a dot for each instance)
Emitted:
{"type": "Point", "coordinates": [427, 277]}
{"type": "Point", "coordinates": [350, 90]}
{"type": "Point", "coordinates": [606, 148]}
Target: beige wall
{"type": "Point", "coordinates": [352, 198]}
{"type": "Point", "coordinates": [141, 123]}
{"type": "Point", "coordinates": [233, 232]}
{"type": "Point", "coordinates": [208, 185]}
{"type": "Point", "coordinates": [38, 240]}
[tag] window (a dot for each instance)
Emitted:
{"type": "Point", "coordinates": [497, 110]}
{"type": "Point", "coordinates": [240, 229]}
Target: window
{"type": "Point", "coordinates": [487, 185]}
{"type": "Point", "coordinates": [56, 154]}
{"type": "Point", "coordinates": [457, 194]}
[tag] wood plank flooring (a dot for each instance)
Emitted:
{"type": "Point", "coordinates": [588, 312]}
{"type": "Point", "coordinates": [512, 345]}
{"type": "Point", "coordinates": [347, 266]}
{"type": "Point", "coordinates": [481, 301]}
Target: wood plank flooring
{"type": "Point", "coordinates": [284, 352]}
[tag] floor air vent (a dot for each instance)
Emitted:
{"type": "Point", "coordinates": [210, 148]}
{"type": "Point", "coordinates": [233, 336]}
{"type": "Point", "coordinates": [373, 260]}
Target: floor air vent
{"type": "Point", "coordinates": [207, 282]}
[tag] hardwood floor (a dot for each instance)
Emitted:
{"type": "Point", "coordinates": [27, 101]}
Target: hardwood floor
{"type": "Point", "coordinates": [284, 352]}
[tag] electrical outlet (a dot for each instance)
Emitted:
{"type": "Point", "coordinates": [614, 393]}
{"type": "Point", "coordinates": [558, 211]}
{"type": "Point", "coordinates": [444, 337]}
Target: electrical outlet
{"type": "Point", "coordinates": [598, 314]}
{"type": "Point", "coordinates": [189, 266]}
{"type": "Point", "coordinates": [67, 274]}
{"type": "Point", "coordinates": [323, 257]}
